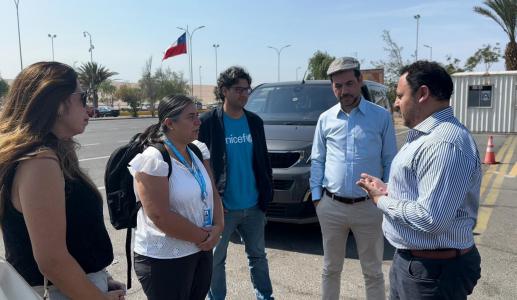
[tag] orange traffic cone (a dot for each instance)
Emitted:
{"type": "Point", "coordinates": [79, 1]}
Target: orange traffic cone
{"type": "Point", "coordinates": [490, 155]}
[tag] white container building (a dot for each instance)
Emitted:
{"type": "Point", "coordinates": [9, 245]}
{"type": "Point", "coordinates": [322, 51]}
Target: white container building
{"type": "Point", "coordinates": [486, 102]}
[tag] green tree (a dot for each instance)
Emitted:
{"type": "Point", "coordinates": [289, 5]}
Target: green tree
{"type": "Point", "coordinates": [318, 65]}
{"type": "Point", "coordinates": [130, 95]}
{"type": "Point", "coordinates": [504, 13]}
{"type": "Point", "coordinates": [4, 87]}
{"type": "Point", "coordinates": [91, 75]}
{"type": "Point", "coordinates": [148, 85]}
{"type": "Point", "coordinates": [453, 65]}
{"type": "Point", "coordinates": [169, 82]}
{"type": "Point", "coordinates": [108, 90]}
{"type": "Point", "coordinates": [392, 65]}
{"type": "Point", "coordinates": [487, 55]}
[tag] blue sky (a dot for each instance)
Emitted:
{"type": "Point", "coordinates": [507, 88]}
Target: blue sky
{"type": "Point", "coordinates": [126, 33]}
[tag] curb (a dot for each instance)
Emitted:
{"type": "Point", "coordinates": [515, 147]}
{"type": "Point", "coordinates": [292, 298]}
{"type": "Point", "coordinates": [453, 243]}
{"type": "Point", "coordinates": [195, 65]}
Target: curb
{"type": "Point", "coordinates": [120, 118]}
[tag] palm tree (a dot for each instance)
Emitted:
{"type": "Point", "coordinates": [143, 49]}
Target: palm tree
{"type": "Point", "coordinates": [504, 13]}
{"type": "Point", "coordinates": [91, 75]}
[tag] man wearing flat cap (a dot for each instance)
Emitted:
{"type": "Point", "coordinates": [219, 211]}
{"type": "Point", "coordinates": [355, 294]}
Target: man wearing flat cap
{"type": "Point", "coordinates": [355, 136]}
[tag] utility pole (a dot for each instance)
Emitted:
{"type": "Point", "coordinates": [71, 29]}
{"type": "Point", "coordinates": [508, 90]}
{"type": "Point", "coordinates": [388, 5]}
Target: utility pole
{"type": "Point", "coordinates": [16, 2]}
{"type": "Point", "coordinates": [91, 45]}
{"type": "Point", "coordinates": [430, 51]}
{"type": "Point", "coordinates": [417, 18]}
{"type": "Point", "coordinates": [216, 73]}
{"type": "Point", "coordinates": [52, 37]}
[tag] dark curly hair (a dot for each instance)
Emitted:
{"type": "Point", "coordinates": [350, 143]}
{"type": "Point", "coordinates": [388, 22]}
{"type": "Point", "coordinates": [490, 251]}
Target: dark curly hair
{"type": "Point", "coordinates": [228, 78]}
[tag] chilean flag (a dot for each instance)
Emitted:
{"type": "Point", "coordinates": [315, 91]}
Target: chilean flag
{"type": "Point", "coordinates": [179, 47]}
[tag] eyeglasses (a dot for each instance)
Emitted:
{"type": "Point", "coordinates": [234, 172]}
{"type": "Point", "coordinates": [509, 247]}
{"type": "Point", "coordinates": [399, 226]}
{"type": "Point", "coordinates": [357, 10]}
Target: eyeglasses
{"type": "Point", "coordinates": [240, 90]}
{"type": "Point", "coordinates": [84, 97]}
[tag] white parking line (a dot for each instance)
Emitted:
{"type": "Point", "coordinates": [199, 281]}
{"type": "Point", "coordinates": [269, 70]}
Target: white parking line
{"type": "Point", "coordinates": [94, 158]}
{"type": "Point", "coordinates": [87, 145]}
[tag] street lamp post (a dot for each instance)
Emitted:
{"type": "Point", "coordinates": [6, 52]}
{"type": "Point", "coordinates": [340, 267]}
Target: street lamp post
{"type": "Point", "coordinates": [190, 35]}
{"type": "Point", "coordinates": [417, 18]}
{"type": "Point", "coordinates": [91, 45]}
{"type": "Point", "coordinates": [215, 49]}
{"type": "Point", "coordinates": [430, 51]}
{"type": "Point", "coordinates": [278, 51]}
{"type": "Point", "coordinates": [16, 2]}
{"type": "Point", "coordinates": [297, 68]}
{"type": "Point", "coordinates": [52, 37]}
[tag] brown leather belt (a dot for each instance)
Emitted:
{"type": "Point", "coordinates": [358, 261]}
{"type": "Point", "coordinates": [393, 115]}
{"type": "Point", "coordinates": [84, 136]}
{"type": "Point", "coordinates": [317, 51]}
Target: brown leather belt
{"type": "Point", "coordinates": [344, 199]}
{"type": "Point", "coordinates": [437, 253]}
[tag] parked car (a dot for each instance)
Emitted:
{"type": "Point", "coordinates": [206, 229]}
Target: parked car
{"type": "Point", "coordinates": [108, 111]}
{"type": "Point", "coordinates": [290, 111]}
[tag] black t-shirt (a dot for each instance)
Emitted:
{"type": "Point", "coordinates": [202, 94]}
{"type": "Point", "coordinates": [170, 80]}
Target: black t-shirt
{"type": "Point", "coordinates": [86, 235]}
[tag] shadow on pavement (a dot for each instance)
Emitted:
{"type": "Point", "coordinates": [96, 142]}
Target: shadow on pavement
{"type": "Point", "coordinates": [306, 239]}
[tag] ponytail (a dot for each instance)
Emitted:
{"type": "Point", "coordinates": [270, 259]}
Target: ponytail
{"type": "Point", "coordinates": [151, 135]}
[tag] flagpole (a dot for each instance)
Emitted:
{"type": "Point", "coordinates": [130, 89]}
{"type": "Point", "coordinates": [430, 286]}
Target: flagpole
{"type": "Point", "coordinates": [189, 43]}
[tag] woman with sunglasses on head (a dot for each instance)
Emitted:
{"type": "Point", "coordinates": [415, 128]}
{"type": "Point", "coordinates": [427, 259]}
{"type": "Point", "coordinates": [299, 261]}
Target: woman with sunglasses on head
{"type": "Point", "coordinates": [182, 218]}
{"type": "Point", "coordinates": [50, 211]}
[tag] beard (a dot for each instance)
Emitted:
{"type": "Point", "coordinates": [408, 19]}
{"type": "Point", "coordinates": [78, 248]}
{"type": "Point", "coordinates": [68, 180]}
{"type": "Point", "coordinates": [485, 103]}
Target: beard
{"type": "Point", "coordinates": [349, 100]}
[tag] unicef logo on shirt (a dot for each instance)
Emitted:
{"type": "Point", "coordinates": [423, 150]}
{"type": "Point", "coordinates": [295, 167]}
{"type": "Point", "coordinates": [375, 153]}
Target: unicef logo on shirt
{"type": "Point", "coordinates": [240, 139]}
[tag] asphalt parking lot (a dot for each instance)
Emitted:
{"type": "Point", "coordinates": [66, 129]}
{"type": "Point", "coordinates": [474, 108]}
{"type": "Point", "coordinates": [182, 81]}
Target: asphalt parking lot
{"type": "Point", "coordinates": [294, 251]}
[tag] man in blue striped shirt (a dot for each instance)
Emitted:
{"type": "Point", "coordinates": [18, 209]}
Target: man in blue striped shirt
{"type": "Point", "coordinates": [352, 137]}
{"type": "Point", "coordinates": [430, 205]}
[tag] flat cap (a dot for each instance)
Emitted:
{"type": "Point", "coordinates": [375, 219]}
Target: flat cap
{"type": "Point", "coordinates": [342, 64]}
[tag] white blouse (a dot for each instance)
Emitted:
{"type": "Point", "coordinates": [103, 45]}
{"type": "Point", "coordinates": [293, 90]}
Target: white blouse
{"type": "Point", "coordinates": [184, 199]}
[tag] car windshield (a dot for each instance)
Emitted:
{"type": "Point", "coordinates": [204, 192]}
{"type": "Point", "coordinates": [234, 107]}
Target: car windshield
{"type": "Point", "coordinates": [291, 104]}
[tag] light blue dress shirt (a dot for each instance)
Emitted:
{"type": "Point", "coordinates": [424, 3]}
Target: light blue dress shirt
{"type": "Point", "coordinates": [346, 145]}
{"type": "Point", "coordinates": [433, 191]}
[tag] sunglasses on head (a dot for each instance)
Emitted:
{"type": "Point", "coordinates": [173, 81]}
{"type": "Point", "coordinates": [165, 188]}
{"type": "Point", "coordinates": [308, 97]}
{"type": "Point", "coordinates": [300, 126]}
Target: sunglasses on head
{"type": "Point", "coordinates": [84, 97]}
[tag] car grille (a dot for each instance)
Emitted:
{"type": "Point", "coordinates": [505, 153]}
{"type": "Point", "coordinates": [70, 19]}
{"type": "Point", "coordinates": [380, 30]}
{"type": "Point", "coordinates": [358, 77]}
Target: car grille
{"type": "Point", "coordinates": [276, 209]}
{"type": "Point", "coordinates": [283, 159]}
{"type": "Point", "coordinates": [282, 184]}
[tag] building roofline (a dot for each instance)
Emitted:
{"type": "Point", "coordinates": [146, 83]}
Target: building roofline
{"type": "Point", "coordinates": [484, 73]}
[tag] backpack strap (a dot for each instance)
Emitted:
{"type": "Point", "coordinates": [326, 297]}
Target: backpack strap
{"type": "Point", "coordinates": [165, 155]}
{"type": "Point", "coordinates": [128, 254]}
{"type": "Point", "coordinates": [167, 159]}
{"type": "Point", "coordinates": [196, 151]}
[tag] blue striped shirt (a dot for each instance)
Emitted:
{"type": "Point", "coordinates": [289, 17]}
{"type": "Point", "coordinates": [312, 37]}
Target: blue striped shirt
{"type": "Point", "coordinates": [346, 145]}
{"type": "Point", "coordinates": [433, 191]}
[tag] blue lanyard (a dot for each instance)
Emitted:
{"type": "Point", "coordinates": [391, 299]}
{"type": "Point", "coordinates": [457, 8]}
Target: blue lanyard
{"type": "Point", "coordinates": [194, 171]}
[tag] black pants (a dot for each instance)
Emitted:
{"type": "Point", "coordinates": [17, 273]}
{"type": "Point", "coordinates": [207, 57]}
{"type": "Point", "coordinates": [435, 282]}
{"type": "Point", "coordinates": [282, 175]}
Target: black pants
{"type": "Point", "coordinates": [185, 278]}
{"type": "Point", "coordinates": [416, 278]}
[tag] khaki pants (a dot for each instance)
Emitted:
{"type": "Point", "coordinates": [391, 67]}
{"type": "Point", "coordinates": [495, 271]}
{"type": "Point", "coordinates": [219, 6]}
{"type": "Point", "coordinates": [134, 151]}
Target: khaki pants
{"type": "Point", "coordinates": [364, 220]}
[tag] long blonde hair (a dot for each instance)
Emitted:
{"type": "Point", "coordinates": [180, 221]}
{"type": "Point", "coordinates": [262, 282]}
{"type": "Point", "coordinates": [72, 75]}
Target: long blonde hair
{"type": "Point", "coordinates": [27, 117]}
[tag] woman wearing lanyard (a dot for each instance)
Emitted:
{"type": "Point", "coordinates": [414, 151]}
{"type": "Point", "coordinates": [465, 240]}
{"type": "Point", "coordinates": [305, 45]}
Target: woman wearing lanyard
{"type": "Point", "coordinates": [182, 218]}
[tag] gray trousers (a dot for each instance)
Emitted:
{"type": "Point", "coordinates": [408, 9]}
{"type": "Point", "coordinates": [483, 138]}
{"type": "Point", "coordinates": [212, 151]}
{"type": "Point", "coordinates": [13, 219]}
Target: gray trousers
{"type": "Point", "coordinates": [365, 221]}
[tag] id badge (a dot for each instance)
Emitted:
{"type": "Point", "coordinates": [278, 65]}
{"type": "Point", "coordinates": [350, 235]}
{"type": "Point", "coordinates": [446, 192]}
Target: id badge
{"type": "Point", "coordinates": [207, 217]}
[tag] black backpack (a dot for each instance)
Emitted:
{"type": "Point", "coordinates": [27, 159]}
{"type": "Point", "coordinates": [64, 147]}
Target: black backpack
{"type": "Point", "coordinates": [120, 196]}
